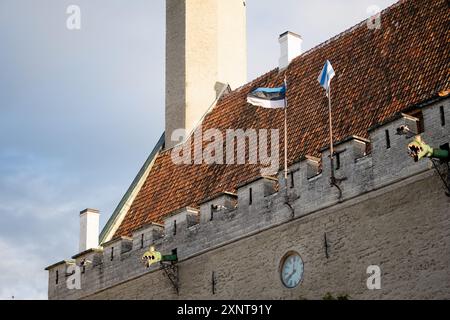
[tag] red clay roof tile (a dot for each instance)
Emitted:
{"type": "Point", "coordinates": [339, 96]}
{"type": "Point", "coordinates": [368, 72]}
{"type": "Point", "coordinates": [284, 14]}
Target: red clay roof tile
{"type": "Point", "coordinates": [378, 74]}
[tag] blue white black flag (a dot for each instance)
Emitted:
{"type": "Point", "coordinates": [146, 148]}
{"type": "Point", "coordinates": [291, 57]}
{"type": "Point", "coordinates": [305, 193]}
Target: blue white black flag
{"type": "Point", "coordinates": [326, 76]}
{"type": "Point", "coordinates": [270, 98]}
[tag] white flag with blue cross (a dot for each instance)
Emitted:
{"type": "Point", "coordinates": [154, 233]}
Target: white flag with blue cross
{"type": "Point", "coordinates": [326, 76]}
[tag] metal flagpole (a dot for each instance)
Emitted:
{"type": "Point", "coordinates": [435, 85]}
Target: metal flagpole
{"type": "Point", "coordinates": [286, 149]}
{"type": "Point", "coordinates": [285, 133]}
{"type": "Point", "coordinates": [333, 179]}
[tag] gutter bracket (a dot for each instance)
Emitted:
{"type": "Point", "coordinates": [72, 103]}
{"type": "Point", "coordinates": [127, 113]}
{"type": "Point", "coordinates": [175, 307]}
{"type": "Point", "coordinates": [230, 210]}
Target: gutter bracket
{"type": "Point", "coordinates": [443, 174]}
{"type": "Point", "coordinates": [171, 271]}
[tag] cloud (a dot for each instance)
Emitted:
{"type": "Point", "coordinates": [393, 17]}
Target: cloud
{"type": "Point", "coordinates": [39, 205]}
{"type": "Point", "coordinates": [315, 21]}
{"type": "Point", "coordinates": [21, 273]}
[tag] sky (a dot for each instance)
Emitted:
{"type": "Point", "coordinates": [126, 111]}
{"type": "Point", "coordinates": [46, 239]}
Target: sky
{"type": "Point", "coordinates": [80, 111]}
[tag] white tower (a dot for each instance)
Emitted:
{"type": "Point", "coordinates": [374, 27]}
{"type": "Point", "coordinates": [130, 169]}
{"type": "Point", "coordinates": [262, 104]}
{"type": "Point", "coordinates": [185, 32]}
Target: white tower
{"type": "Point", "coordinates": [206, 43]}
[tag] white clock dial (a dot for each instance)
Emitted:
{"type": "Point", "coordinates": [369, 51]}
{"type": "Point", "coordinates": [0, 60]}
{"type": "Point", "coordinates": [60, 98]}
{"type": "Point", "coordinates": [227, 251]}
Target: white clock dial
{"type": "Point", "coordinates": [292, 270]}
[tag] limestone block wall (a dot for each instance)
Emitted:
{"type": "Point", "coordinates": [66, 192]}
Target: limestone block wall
{"type": "Point", "coordinates": [393, 213]}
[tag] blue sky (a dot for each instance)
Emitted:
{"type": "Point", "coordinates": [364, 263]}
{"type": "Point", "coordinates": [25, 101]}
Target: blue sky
{"type": "Point", "coordinates": [81, 110]}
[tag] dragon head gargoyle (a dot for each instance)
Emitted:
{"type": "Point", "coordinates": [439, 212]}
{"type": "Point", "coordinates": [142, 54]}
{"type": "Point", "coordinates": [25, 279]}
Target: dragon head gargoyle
{"type": "Point", "coordinates": [418, 149]}
{"type": "Point", "coordinates": [151, 256]}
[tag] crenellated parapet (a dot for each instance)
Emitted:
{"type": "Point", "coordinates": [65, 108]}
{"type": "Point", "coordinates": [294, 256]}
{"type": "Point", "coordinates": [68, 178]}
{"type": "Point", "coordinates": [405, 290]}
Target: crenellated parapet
{"type": "Point", "coordinates": [362, 166]}
{"type": "Point", "coordinates": [213, 208]}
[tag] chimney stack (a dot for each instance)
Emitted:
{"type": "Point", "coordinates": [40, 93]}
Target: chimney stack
{"type": "Point", "coordinates": [89, 228]}
{"type": "Point", "coordinates": [290, 47]}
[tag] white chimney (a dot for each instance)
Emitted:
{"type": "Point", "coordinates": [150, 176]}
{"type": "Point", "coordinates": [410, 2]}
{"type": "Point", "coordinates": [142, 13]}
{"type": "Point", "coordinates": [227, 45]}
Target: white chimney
{"type": "Point", "coordinates": [290, 47]}
{"type": "Point", "coordinates": [89, 228]}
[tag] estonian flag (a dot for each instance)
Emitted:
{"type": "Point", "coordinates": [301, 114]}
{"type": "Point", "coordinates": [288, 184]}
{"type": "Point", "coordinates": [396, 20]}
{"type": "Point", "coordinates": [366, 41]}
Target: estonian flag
{"type": "Point", "coordinates": [270, 98]}
{"type": "Point", "coordinates": [326, 76]}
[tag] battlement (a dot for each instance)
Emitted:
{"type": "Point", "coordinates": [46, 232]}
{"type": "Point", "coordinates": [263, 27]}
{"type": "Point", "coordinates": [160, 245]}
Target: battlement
{"type": "Point", "coordinates": [362, 166]}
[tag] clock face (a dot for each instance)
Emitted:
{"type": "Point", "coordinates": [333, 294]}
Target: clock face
{"type": "Point", "coordinates": [292, 270]}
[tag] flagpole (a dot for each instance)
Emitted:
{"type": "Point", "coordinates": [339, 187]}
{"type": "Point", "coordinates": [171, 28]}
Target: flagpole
{"type": "Point", "coordinates": [331, 136]}
{"type": "Point", "coordinates": [286, 149]}
{"type": "Point", "coordinates": [285, 133]}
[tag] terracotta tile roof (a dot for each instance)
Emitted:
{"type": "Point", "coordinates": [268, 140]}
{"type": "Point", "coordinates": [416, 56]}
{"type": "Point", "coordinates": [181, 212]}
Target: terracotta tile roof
{"type": "Point", "coordinates": [378, 74]}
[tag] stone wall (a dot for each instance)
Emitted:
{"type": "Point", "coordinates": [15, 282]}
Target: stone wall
{"type": "Point", "coordinates": [393, 213]}
{"type": "Point", "coordinates": [406, 231]}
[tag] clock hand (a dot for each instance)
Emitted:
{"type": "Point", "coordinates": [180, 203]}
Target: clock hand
{"type": "Point", "coordinates": [290, 276]}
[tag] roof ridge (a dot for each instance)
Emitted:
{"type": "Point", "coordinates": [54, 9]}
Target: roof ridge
{"type": "Point", "coordinates": [347, 31]}
{"type": "Point", "coordinates": [318, 46]}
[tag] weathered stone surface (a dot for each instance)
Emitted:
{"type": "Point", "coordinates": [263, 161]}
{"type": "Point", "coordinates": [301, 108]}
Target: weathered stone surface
{"type": "Point", "coordinates": [394, 213]}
